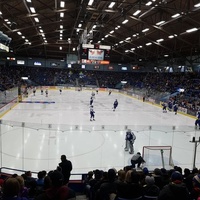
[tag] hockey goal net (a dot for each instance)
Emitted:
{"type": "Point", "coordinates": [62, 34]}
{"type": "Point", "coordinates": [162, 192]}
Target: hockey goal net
{"type": "Point", "coordinates": [158, 156]}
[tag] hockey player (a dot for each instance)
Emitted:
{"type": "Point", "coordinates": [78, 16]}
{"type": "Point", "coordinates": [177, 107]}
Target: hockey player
{"type": "Point", "coordinates": [60, 90]}
{"type": "Point", "coordinates": [93, 95]}
{"type": "Point", "coordinates": [129, 141]}
{"type": "Point", "coordinates": [198, 114]}
{"type": "Point", "coordinates": [197, 123]}
{"type": "Point", "coordinates": [170, 105]}
{"type": "Point", "coordinates": [41, 91]}
{"type": "Point", "coordinates": [97, 91]}
{"type": "Point", "coordinates": [92, 114]}
{"type": "Point", "coordinates": [46, 92]}
{"type": "Point", "coordinates": [34, 91]}
{"type": "Point", "coordinates": [110, 91]}
{"type": "Point", "coordinates": [164, 107]}
{"type": "Point", "coordinates": [115, 104]}
{"type": "Point", "coordinates": [175, 108]}
{"type": "Point", "coordinates": [91, 101]}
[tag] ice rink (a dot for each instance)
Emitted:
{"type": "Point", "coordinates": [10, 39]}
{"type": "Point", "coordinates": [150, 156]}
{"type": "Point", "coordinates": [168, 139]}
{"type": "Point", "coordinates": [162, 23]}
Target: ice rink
{"type": "Point", "coordinates": [40, 129]}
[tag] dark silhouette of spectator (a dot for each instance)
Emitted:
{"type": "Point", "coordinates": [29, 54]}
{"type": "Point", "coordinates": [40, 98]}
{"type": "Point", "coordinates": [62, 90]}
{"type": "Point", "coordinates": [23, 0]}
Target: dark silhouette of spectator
{"type": "Point", "coordinates": [11, 190]}
{"type": "Point", "coordinates": [57, 190]}
{"type": "Point", "coordinates": [158, 176]}
{"type": "Point", "coordinates": [131, 188]}
{"type": "Point", "coordinates": [66, 167]}
{"type": "Point", "coordinates": [108, 186]}
{"type": "Point", "coordinates": [150, 190]}
{"type": "Point", "coordinates": [195, 192]}
{"type": "Point", "coordinates": [23, 190]}
{"type": "Point", "coordinates": [175, 190]}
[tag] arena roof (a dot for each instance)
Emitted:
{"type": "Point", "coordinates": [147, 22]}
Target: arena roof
{"type": "Point", "coordinates": [53, 28]}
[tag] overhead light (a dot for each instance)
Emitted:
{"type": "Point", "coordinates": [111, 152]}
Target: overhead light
{"type": "Point", "coordinates": [126, 51]}
{"type": "Point", "coordinates": [166, 55]}
{"type": "Point", "coordinates": [197, 5]}
{"type": "Point", "coordinates": [121, 41]}
{"type": "Point", "coordinates": [29, 1]}
{"type": "Point", "coordinates": [106, 36]}
{"type": "Point", "coordinates": [159, 23]}
{"type": "Point", "coordinates": [125, 21]}
{"type": "Point", "coordinates": [148, 3]}
{"type": "Point", "coordinates": [23, 37]}
{"type": "Point", "coordinates": [191, 30]}
{"type": "Point", "coordinates": [160, 40]}
{"type": "Point", "coordinates": [41, 31]}
{"type": "Point", "coordinates": [136, 12]}
{"type": "Point", "coordinates": [145, 30]}
{"type": "Point", "coordinates": [79, 25]}
{"type": "Point", "coordinates": [128, 38]}
{"type": "Point", "coordinates": [94, 26]}
{"type": "Point", "coordinates": [19, 33]}
{"type": "Point", "coordinates": [134, 35]}
{"type": "Point", "coordinates": [36, 19]}
{"type": "Point", "coordinates": [175, 15]}
{"type": "Point", "coordinates": [132, 49]}
{"type": "Point", "coordinates": [111, 5]}
{"type": "Point", "coordinates": [60, 48]}
{"type": "Point", "coordinates": [171, 36]}
{"type": "Point", "coordinates": [0, 13]}
{"type": "Point", "coordinates": [148, 43]}
{"type": "Point", "coordinates": [61, 26]}
{"type": "Point", "coordinates": [32, 9]}
{"type": "Point", "coordinates": [62, 4]}
{"type": "Point", "coordinates": [90, 2]}
{"type": "Point", "coordinates": [111, 31]}
{"type": "Point", "coordinates": [61, 14]}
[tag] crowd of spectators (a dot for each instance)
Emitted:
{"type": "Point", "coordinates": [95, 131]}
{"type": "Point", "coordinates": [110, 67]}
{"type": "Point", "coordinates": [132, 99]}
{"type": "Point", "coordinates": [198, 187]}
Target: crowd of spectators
{"type": "Point", "coordinates": [129, 183]}
{"type": "Point", "coordinates": [125, 184]}
{"type": "Point", "coordinates": [152, 83]}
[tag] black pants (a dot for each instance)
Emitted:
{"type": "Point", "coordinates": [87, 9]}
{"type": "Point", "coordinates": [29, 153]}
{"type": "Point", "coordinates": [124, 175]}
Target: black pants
{"type": "Point", "coordinates": [138, 162]}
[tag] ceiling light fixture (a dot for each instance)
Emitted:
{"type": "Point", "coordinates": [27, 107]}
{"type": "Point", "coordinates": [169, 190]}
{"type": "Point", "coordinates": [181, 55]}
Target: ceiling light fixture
{"type": "Point", "coordinates": [111, 5]}
{"type": "Point", "coordinates": [159, 23]}
{"type": "Point", "coordinates": [62, 14]}
{"type": "Point", "coordinates": [160, 40]}
{"type": "Point", "coordinates": [197, 5]}
{"type": "Point", "coordinates": [148, 3]}
{"type": "Point", "coordinates": [62, 4]}
{"type": "Point", "coordinates": [136, 12]}
{"type": "Point", "coordinates": [36, 19]}
{"type": "Point", "coordinates": [175, 15]}
{"type": "Point", "coordinates": [90, 2]}
{"type": "Point", "coordinates": [125, 21]}
{"type": "Point", "coordinates": [145, 30]}
{"type": "Point", "coordinates": [32, 9]}
{"type": "Point", "coordinates": [191, 30]}
{"type": "Point", "coordinates": [148, 43]}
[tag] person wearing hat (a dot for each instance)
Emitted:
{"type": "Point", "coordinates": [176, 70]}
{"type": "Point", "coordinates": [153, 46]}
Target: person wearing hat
{"type": "Point", "coordinates": [137, 159]}
{"type": "Point", "coordinates": [175, 190]}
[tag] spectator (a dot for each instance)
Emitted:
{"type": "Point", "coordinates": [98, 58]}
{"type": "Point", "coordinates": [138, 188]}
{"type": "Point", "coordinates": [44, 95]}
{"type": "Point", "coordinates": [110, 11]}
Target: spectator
{"type": "Point", "coordinates": [175, 190]}
{"type": "Point", "coordinates": [66, 167]}
{"type": "Point", "coordinates": [57, 190]}
{"type": "Point", "coordinates": [11, 190]}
